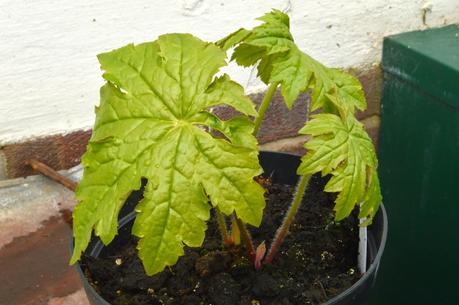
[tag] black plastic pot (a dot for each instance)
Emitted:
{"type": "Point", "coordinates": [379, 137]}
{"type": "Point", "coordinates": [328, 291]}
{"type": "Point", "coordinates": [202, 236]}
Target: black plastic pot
{"type": "Point", "coordinates": [282, 168]}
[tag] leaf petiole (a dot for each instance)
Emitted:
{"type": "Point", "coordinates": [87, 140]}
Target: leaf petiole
{"type": "Point", "coordinates": [283, 229]}
{"type": "Point", "coordinates": [246, 238]}
{"type": "Point", "coordinates": [245, 234]}
{"type": "Point", "coordinates": [226, 240]}
{"type": "Point", "coordinates": [235, 233]}
{"type": "Point", "coordinates": [264, 106]}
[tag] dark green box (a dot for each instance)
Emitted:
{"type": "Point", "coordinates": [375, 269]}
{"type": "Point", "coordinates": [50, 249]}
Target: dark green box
{"type": "Point", "coordinates": [419, 167]}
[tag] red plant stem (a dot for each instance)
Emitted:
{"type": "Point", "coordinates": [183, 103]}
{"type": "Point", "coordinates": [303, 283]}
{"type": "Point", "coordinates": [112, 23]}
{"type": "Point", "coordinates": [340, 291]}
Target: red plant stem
{"type": "Point", "coordinates": [245, 235]}
{"type": "Point", "coordinates": [259, 254]}
{"type": "Point", "coordinates": [51, 173]}
{"type": "Point", "coordinates": [222, 227]}
{"type": "Point", "coordinates": [235, 233]}
{"type": "Point", "coordinates": [283, 229]}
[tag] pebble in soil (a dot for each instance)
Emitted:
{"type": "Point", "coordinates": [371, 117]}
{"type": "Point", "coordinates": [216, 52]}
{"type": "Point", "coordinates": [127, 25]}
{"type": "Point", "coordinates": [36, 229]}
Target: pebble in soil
{"type": "Point", "coordinates": [317, 261]}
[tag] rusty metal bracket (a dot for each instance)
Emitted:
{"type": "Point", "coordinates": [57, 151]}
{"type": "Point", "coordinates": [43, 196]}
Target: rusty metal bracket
{"type": "Point", "coordinates": [52, 174]}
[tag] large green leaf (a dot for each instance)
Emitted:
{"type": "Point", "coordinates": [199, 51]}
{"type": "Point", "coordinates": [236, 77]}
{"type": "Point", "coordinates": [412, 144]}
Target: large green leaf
{"type": "Point", "coordinates": [152, 123]}
{"type": "Point", "coordinates": [341, 147]}
{"type": "Point", "coordinates": [272, 45]}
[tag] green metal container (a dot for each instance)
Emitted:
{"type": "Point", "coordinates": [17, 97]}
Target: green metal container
{"type": "Point", "coordinates": [419, 167]}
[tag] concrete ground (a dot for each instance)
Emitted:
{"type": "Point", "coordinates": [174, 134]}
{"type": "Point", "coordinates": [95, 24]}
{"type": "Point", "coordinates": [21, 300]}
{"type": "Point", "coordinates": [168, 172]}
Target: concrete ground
{"type": "Point", "coordinates": [35, 243]}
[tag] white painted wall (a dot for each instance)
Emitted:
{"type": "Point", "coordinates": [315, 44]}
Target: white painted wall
{"type": "Point", "coordinates": [49, 75]}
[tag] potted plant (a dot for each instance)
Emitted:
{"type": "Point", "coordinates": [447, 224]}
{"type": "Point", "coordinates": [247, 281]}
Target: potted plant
{"type": "Point", "coordinates": [154, 124]}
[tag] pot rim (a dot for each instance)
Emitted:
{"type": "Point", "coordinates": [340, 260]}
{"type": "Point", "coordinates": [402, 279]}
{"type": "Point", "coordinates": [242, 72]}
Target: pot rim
{"type": "Point", "coordinates": [374, 265]}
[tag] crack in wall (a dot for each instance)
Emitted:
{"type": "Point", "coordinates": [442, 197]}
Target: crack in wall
{"type": "Point", "coordinates": [194, 7]}
{"type": "Point", "coordinates": [426, 9]}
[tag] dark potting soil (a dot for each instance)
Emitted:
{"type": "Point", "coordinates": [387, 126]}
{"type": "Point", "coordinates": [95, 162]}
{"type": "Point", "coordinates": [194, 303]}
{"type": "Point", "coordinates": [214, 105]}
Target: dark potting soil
{"type": "Point", "coordinates": [317, 261]}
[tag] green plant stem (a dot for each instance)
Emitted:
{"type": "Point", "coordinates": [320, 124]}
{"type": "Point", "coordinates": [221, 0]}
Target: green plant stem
{"type": "Point", "coordinates": [222, 227]}
{"type": "Point", "coordinates": [264, 106]}
{"type": "Point", "coordinates": [245, 235]}
{"type": "Point", "coordinates": [283, 229]}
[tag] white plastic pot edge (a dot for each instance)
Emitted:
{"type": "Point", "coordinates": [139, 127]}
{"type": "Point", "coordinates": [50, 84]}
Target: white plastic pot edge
{"type": "Point", "coordinates": [362, 256]}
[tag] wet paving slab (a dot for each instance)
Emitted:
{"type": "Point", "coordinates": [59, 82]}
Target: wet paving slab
{"type": "Point", "coordinates": [35, 244]}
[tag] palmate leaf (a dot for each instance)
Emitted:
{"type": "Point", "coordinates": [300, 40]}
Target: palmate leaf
{"type": "Point", "coordinates": [271, 45]}
{"type": "Point", "coordinates": [341, 147]}
{"type": "Point", "coordinates": [150, 124]}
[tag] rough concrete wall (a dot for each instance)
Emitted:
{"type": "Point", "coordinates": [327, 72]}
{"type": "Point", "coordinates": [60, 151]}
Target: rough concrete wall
{"type": "Point", "coordinates": [50, 77]}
